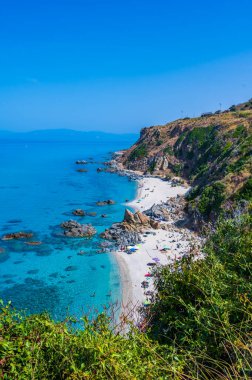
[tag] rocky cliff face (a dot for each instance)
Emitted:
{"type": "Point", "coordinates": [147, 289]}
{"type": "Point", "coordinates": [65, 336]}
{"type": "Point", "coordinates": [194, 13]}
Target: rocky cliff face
{"type": "Point", "coordinates": [212, 152]}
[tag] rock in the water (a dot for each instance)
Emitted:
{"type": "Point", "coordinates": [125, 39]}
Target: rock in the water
{"type": "Point", "coordinates": [75, 229]}
{"type": "Point", "coordinates": [105, 203]}
{"type": "Point", "coordinates": [82, 170]}
{"type": "Point", "coordinates": [17, 235]}
{"type": "Point", "coordinates": [71, 268]}
{"type": "Point", "coordinates": [79, 212]}
{"type": "Point", "coordinates": [81, 162]}
{"type": "Point", "coordinates": [33, 242]}
{"type": "Point", "coordinates": [91, 213]}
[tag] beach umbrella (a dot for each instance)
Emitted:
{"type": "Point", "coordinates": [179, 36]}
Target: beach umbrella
{"type": "Point", "coordinates": [147, 303]}
{"type": "Point", "coordinates": [148, 275]}
{"type": "Point", "coordinates": [156, 259]}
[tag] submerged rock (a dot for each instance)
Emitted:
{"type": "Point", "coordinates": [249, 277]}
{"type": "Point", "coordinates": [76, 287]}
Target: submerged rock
{"type": "Point", "coordinates": [105, 203]}
{"type": "Point", "coordinates": [81, 162]}
{"type": "Point", "coordinates": [79, 212]}
{"type": "Point", "coordinates": [33, 242]}
{"type": "Point", "coordinates": [91, 213]}
{"type": "Point", "coordinates": [17, 235]}
{"type": "Point", "coordinates": [71, 268]}
{"type": "Point", "coordinates": [82, 170]}
{"type": "Point", "coordinates": [75, 229]}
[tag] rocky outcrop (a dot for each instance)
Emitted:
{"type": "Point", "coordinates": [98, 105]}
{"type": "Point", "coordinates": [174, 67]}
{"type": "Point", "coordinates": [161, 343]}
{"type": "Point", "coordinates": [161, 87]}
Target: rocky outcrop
{"type": "Point", "coordinates": [105, 203]}
{"type": "Point", "coordinates": [77, 230]}
{"type": "Point", "coordinates": [159, 212]}
{"type": "Point", "coordinates": [173, 210]}
{"type": "Point", "coordinates": [17, 235]}
{"type": "Point", "coordinates": [127, 232]}
{"type": "Point", "coordinates": [79, 212]}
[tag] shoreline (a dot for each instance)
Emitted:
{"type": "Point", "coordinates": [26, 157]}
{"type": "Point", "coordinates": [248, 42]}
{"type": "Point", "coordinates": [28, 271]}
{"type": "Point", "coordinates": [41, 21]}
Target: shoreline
{"type": "Point", "coordinates": [134, 267]}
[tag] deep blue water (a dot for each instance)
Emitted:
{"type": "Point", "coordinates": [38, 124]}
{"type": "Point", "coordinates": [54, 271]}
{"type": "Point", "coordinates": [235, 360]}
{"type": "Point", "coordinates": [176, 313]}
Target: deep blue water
{"type": "Point", "coordinates": [39, 187]}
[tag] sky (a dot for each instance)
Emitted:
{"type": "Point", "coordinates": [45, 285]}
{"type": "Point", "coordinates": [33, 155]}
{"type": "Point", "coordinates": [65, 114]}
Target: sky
{"type": "Point", "coordinates": [118, 65]}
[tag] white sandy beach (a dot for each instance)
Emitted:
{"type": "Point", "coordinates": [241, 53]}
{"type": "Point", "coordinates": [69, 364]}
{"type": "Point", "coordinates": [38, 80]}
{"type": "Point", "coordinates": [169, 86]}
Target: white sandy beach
{"type": "Point", "coordinates": [134, 267]}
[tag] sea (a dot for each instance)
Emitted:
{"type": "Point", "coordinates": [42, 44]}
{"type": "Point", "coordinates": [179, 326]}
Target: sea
{"type": "Point", "coordinates": [39, 188]}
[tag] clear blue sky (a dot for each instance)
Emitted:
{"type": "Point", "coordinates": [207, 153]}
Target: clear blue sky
{"type": "Point", "coordinates": [120, 65]}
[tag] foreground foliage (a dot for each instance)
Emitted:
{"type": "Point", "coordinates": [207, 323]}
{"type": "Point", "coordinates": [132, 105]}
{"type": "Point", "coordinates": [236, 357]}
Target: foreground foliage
{"type": "Point", "coordinates": [204, 307]}
{"type": "Point", "coordinates": [201, 325]}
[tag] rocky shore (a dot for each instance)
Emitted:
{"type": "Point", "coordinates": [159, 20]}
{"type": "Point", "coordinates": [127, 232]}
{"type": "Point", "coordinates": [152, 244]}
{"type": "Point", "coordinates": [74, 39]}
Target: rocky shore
{"type": "Point", "coordinates": [158, 234]}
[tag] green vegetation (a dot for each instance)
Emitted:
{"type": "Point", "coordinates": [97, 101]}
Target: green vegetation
{"type": "Point", "coordinates": [204, 308]}
{"type": "Point", "coordinates": [139, 152]}
{"type": "Point", "coordinates": [239, 131]}
{"type": "Point", "coordinates": [159, 142]}
{"type": "Point", "coordinates": [168, 150]}
{"type": "Point", "coordinates": [152, 167]}
{"type": "Point", "coordinates": [246, 191]}
{"type": "Point", "coordinates": [211, 199]}
{"type": "Point", "coordinates": [201, 136]}
{"type": "Point", "coordinates": [200, 325]}
{"type": "Point", "coordinates": [177, 168]}
{"type": "Point", "coordinates": [38, 348]}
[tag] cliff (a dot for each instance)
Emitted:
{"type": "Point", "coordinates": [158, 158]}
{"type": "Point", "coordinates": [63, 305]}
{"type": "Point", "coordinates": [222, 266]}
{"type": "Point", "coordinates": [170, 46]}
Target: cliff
{"type": "Point", "coordinates": [212, 152]}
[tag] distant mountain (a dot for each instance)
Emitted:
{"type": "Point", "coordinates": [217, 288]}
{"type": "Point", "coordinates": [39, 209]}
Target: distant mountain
{"type": "Point", "coordinates": [64, 135]}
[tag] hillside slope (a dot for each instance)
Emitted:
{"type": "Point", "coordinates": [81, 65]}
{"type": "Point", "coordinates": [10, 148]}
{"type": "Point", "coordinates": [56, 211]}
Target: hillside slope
{"type": "Point", "coordinates": [212, 152]}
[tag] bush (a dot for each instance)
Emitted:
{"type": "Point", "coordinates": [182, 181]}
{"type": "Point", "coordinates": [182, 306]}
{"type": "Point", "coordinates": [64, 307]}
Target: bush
{"type": "Point", "coordinates": [239, 131]}
{"type": "Point", "coordinates": [35, 347]}
{"type": "Point", "coordinates": [159, 142]}
{"type": "Point", "coordinates": [168, 150]}
{"type": "Point", "coordinates": [211, 199]}
{"type": "Point", "coordinates": [204, 307]}
{"type": "Point", "coordinates": [139, 152]}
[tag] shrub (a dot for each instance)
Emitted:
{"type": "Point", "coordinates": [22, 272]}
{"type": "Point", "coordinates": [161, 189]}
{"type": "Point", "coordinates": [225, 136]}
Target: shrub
{"type": "Point", "coordinates": [201, 135]}
{"type": "Point", "coordinates": [152, 167]}
{"type": "Point", "coordinates": [211, 199]}
{"type": "Point", "coordinates": [35, 347]}
{"type": "Point", "coordinates": [168, 150]}
{"type": "Point", "coordinates": [239, 131]}
{"type": "Point", "coordinates": [159, 142]}
{"type": "Point", "coordinates": [139, 152]}
{"type": "Point", "coordinates": [204, 307]}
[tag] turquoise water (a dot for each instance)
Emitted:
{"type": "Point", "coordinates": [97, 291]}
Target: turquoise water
{"type": "Point", "coordinates": [39, 187]}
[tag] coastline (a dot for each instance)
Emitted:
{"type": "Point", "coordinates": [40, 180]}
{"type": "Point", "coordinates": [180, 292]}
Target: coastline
{"type": "Point", "coordinates": [134, 267]}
